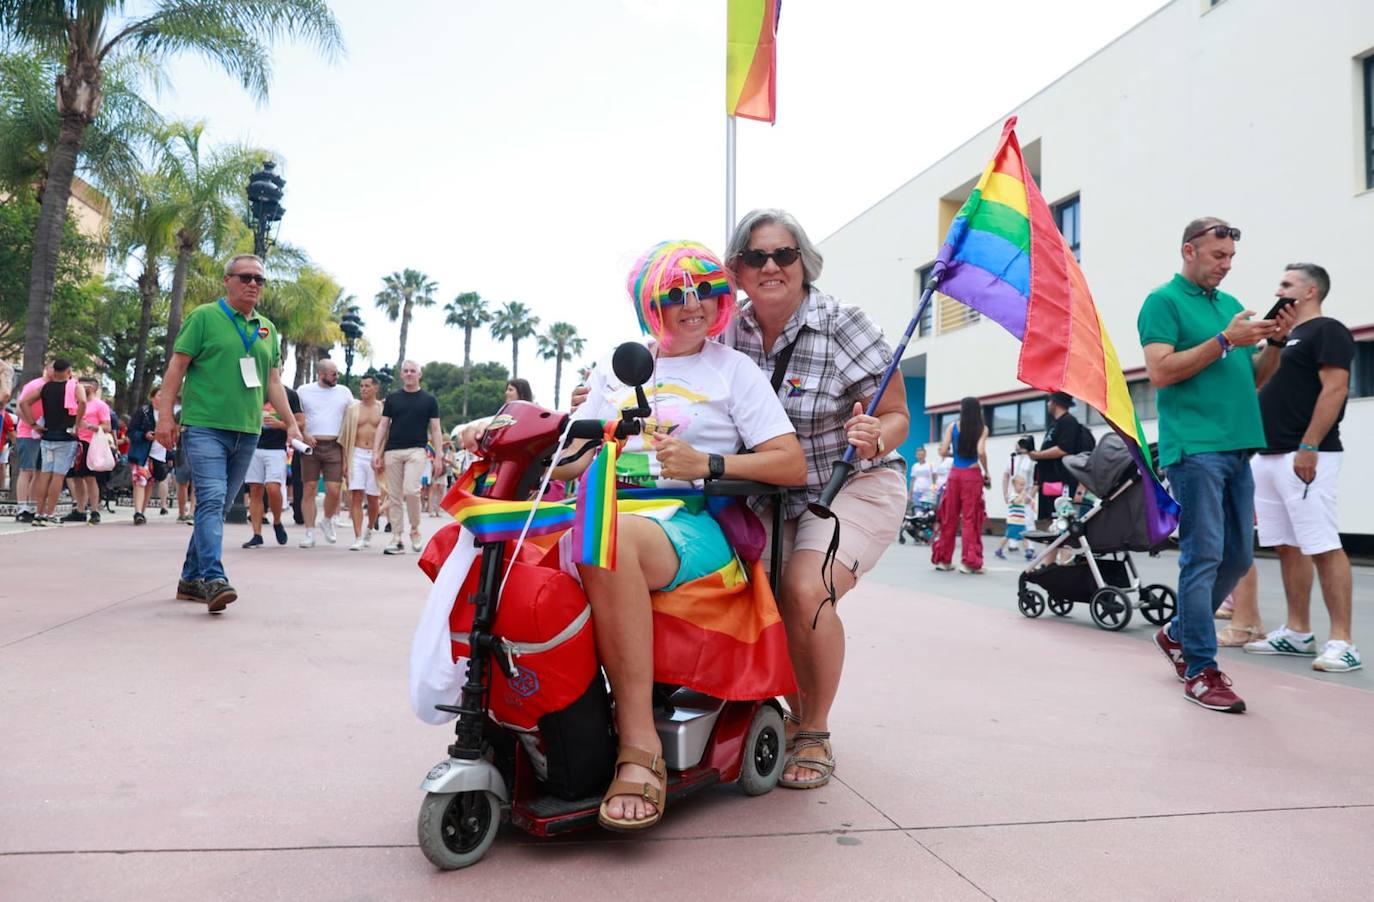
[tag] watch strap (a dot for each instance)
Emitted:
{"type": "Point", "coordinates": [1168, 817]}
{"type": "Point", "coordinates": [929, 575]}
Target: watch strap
{"type": "Point", "coordinates": [715, 464]}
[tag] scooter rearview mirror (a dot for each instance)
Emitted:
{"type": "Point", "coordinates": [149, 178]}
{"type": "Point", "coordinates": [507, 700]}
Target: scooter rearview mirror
{"type": "Point", "coordinates": [634, 365]}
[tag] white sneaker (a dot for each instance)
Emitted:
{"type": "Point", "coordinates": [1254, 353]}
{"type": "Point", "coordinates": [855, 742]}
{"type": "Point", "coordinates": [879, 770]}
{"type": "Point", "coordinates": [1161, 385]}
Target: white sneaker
{"type": "Point", "coordinates": [367, 537]}
{"type": "Point", "coordinates": [358, 544]}
{"type": "Point", "coordinates": [1338, 656]}
{"type": "Point", "coordinates": [965, 568]}
{"type": "Point", "coordinates": [1284, 641]}
{"type": "Point", "coordinates": [327, 527]}
{"type": "Point", "coordinates": [944, 566]}
{"type": "Point", "coordinates": [309, 540]}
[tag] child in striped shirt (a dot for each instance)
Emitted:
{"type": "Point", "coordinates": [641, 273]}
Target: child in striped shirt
{"type": "Point", "coordinates": [1018, 503]}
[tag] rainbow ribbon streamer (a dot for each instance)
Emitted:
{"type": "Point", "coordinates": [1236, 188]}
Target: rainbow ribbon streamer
{"type": "Point", "coordinates": [490, 520]}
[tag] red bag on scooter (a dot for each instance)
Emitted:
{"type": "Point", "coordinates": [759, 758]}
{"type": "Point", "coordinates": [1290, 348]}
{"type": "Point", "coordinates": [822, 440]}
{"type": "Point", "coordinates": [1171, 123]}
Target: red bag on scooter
{"type": "Point", "coordinates": [546, 623]}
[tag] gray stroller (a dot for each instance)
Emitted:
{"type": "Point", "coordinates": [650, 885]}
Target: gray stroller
{"type": "Point", "coordinates": [1101, 573]}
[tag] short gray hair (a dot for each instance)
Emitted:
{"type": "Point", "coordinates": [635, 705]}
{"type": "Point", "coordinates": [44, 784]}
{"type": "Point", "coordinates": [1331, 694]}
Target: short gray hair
{"type": "Point", "coordinates": [739, 241]}
{"type": "Point", "coordinates": [229, 267]}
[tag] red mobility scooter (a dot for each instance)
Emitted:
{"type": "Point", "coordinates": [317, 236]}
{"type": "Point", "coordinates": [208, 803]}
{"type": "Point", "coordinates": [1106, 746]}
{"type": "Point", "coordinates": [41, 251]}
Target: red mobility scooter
{"type": "Point", "coordinates": [534, 733]}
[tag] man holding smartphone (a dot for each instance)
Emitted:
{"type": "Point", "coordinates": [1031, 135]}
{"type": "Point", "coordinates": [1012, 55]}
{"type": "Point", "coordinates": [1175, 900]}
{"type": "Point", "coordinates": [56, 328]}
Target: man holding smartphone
{"type": "Point", "coordinates": [1304, 377]}
{"type": "Point", "coordinates": [1198, 344]}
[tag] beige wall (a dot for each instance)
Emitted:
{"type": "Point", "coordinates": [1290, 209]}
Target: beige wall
{"type": "Point", "coordinates": [1249, 110]}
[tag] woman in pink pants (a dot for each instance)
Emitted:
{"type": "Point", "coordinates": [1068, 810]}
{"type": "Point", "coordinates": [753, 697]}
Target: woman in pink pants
{"type": "Point", "coordinates": [963, 496]}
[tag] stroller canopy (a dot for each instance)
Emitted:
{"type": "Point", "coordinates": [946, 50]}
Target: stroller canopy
{"type": "Point", "coordinates": [1103, 468]}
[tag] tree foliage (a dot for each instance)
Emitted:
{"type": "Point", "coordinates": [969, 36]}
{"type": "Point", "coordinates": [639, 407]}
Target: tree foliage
{"type": "Point", "coordinates": [487, 390]}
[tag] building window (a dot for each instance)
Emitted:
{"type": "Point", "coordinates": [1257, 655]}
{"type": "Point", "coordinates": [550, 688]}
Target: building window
{"type": "Point", "coordinates": [1017, 417]}
{"type": "Point", "coordinates": [1369, 122]}
{"type": "Point", "coordinates": [1362, 371]}
{"type": "Point", "coordinates": [1069, 217]}
{"type": "Point", "coordinates": [927, 317]}
{"type": "Point", "coordinates": [1142, 398]}
{"type": "Point", "coordinates": [952, 314]}
{"type": "Point", "coordinates": [943, 420]}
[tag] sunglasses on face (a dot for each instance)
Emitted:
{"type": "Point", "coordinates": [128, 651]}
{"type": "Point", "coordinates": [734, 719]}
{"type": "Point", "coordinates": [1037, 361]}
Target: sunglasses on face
{"type": "Point", "coordinates": [249, 278]}
{"type": "Point", "coordinates": [1221, 231]}
{"type": "Point", "coordinates": [707, 287]}
{"type": "Point", "coordinates": [783, 256]}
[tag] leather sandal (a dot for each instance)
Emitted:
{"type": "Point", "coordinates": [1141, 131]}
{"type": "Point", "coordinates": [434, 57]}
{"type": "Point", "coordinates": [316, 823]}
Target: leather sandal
{"type": "Point", "coordinates": [654, 795]}
{"type": "Point", "coordinates": [824, 767]}
{"type": "Point", "coordinates": [787, 718]}
{"type": "Point", "coordinates": [1235, 636]}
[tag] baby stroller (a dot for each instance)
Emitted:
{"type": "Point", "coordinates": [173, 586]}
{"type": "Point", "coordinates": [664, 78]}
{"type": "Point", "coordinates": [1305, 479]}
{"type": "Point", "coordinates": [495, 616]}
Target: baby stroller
{"type": "Point", "coordinates": [117, 486]}
{"type": "Point", "coordinates": [1101, 573]}
{"type": "Point", "coordinates": [919, 522]}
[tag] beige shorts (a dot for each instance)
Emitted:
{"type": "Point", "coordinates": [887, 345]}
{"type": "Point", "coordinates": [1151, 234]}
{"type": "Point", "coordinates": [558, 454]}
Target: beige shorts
{"type": "Point", "coordinates": [870, 508]}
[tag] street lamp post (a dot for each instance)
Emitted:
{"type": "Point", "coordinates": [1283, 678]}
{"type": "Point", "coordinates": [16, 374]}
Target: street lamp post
{"type": "Point", "coordinates": [352, 327]}
{"type": "Point", "coordinates": [264, 204]}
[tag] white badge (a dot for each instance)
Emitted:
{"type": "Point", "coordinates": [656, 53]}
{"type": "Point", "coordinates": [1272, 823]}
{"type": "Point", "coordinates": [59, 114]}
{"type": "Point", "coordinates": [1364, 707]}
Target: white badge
{"type": "Point", "coordinates": [248, 368]}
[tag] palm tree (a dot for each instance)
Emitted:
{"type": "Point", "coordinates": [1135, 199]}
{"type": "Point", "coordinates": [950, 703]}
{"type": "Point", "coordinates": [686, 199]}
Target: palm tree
{"type": "Point", "coordinates": [401, 292]}
{"type": "Point", "coordinates": [468, 312]}
{"type": "Point", "coordinates": [514, 321]}
{"type": "Point", "coordinates": [559, 344]}
{"type": "Point", "coordinates": [142, 230]}
{"type": "Point", "coordinates": [203, 186]}
{"type": "Point", "coordinates": [90, 36]}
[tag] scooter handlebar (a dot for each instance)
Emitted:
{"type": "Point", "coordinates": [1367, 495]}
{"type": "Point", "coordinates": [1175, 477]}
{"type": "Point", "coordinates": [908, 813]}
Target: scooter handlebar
{"type": "Point", "coordinates": [595, 429]}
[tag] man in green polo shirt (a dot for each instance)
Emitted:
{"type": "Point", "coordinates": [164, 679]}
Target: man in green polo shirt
{"type": "Point", "coordinates": [225, 358]}
{"type": "Point", "coordinates": [1198, 342]}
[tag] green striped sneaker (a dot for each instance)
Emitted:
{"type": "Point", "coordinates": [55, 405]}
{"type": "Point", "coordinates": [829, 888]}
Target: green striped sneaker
{"type": "Point", "coordinates": [1284, 641]}
{"type": "Point", "coordinates": [1338, 656]}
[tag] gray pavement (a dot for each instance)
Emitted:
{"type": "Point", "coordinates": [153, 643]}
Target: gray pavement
{"type": "Point", "coordinates": [154, 752]}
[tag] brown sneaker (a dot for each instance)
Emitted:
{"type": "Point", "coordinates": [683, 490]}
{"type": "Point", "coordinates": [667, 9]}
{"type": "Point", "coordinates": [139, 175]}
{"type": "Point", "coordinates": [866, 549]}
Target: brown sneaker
{"type": "Point", "coordinates": [219, 594]}
{"type": "Point", "coordinates": [191, 590]}
{"type": "Point", "coordinates": [1173, 651]}
{"type": "Point", "coordinates": [1212, 689]}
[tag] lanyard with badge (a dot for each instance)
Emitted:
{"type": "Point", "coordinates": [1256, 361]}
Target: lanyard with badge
{"type": "Point", "coordinates": [248, 364]}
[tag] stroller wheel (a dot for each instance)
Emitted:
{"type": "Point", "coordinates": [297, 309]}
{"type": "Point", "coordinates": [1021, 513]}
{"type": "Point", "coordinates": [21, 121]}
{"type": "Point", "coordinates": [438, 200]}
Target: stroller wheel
{"type": "Point", "coordinates": [1060, 607]}
{"type": "Point", "coordinates": [457, 828]}
{"type": "Point", "coordinates": [1158, 603]}
{"type": "Point", "coordinates": [1030, 602]}
{"type": "Point", "coordinates": [1110, 608]}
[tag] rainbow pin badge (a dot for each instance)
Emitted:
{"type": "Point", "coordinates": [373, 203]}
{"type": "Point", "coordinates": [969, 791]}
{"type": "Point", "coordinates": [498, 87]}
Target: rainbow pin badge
{"type": "Point", "coordinates": [794, 387]}
{"type": "Point", "coordinates": [263, 332]}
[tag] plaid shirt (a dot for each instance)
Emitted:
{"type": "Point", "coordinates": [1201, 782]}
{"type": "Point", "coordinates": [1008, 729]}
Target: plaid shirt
{"type": "Point", "coordinates": [840, 358]}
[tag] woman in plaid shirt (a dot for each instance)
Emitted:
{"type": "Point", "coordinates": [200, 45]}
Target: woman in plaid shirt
{"type": "Point", "coordinates": [837, 358]}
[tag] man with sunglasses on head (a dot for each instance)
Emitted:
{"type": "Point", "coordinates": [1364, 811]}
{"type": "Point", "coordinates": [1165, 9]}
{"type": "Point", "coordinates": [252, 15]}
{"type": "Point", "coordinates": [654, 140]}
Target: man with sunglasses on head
{"type": "Point", "coordinates": [225, 359]}
{"type": "Point", "coordinates": [1199, 344]}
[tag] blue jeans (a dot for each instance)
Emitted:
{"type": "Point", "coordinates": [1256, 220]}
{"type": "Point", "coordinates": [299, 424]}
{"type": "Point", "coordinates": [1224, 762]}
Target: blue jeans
{"type": "Point", "coordinates": [218, 459]}
{"type": "Point", "coordinates": [1216, 529]}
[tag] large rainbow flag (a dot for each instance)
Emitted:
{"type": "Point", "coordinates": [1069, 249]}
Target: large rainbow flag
{"type": "Point", "coordinates": [1005, 258]}
{"type": "Point", "coordinates": [751, 59]}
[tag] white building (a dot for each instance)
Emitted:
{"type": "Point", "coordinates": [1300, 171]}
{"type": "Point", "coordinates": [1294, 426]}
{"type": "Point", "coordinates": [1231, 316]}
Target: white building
{"type": "Point", "coordinates": [1258, 111]}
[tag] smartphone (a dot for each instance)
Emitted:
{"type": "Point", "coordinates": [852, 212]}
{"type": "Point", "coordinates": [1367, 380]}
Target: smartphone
{"type": "Point", "coordinates": [1279, 305]}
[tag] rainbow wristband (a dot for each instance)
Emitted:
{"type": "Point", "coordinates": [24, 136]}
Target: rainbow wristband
{"type": "Point", "coordinates": [1306, 447]}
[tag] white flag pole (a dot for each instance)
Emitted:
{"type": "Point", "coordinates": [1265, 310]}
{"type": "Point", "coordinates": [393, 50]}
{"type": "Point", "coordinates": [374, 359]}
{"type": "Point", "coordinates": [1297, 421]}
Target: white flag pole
{"type": "Point", "coordinates": [729, 178]}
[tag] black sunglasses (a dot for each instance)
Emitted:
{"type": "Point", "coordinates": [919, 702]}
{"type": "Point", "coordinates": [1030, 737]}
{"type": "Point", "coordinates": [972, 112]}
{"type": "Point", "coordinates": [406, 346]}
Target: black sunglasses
{"type": "Point", "coordinates": [1221, 231]}
{"type": "Point", "coordinates": [783, 256]}
{"type": "Point", "coordinates": [249, 278]}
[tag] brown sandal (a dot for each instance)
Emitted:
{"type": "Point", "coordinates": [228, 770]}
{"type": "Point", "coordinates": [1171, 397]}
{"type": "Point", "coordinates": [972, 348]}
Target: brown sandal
{"type": "Point", "coordinates": [824, 767]}
{"type": "Point", "coordinates": [1235, 636]}
{"type": "Point", "coordinates": [787, 718]}
{"type": "Point", "coordinates": [654, 795]}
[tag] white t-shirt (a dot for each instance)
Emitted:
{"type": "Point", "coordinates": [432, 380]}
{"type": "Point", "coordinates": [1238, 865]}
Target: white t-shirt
{"type": "Point", "coordinates": [922, 478]}
{"type": "Point", "coordinates": [942, 470]}
{"type": "Point", "coordinates": [324, 407]}
{"type": "Point", "coordinates": [1019, 465]}
{"type": "Point", "coordinates": [714, 400]}
{"type": "Point", "coordinates": [157, 451]}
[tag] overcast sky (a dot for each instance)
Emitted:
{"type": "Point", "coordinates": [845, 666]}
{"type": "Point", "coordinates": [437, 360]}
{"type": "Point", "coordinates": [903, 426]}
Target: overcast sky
{"type": "Point", "coordinates": [529, 151]}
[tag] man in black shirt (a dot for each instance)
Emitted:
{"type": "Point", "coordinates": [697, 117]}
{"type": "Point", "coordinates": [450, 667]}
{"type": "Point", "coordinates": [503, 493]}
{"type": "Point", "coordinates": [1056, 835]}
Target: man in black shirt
{"type": "Point", "coordinates": [1304, 376]}
{"type": "Point", "coordinates": [267, 471]}
{"type": "Point", "coordinates": [58, 434]}
{"type": "Point", "coordinates": [410, 417]}
{"type": "Point", "coordinates": [1061, 440]}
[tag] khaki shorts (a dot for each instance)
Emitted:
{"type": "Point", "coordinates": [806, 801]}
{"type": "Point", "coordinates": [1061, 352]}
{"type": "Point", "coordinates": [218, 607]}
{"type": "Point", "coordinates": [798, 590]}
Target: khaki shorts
{"type": "Point", "coordinates": [327, 458]}
{"type": "Point", "coordinates": [870, 508]}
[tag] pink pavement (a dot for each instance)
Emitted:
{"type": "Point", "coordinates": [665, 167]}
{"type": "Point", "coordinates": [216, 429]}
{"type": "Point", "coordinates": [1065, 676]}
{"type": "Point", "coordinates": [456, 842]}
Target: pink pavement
{"type": "Point", "coordinates": [152, 751]}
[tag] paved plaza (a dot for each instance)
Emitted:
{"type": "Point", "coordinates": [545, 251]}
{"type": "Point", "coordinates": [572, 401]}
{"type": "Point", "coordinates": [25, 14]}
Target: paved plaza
{"type": "Point", "coordinates": [154, 752]}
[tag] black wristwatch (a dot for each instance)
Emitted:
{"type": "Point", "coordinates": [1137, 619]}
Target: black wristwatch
{"type": "Point", "coordinates": [716, 465]}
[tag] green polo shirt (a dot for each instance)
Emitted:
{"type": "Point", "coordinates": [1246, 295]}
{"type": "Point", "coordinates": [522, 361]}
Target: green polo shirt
{"type": "Point", "coordinates": [1217, 409]}
{"type": "Point", "coordinates": [213, 393]}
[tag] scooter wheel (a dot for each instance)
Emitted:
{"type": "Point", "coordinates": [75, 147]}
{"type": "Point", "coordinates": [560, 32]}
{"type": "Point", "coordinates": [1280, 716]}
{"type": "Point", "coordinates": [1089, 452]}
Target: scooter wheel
{"type": "Point", "coordinates": [457, 828]}
{"type": "Point", "coordinates": [763, 746]}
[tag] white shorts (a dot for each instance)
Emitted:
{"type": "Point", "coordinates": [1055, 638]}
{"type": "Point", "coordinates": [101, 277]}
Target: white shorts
{"type": "Point", "coordinates": [1284, 515]}
{"type": "Point", "coordinates": [267, 466]}
{"type": "Point", "coordinates": [361, 476]}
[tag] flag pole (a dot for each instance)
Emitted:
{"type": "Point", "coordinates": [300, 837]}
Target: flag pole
{"type": "Point", "coordinates": [845, 466]}
{"type": "Point", "coordinates": [729, 177]}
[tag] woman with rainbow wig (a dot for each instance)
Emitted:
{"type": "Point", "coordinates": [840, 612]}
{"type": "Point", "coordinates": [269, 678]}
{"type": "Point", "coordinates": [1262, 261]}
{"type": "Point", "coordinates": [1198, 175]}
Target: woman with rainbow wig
{"type": "Point", "coordinates": [708, 402]}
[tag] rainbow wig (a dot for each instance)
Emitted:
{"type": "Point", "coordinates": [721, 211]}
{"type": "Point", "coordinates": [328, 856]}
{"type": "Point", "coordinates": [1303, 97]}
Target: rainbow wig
{"type": "Point", "coordinates": [671, 265]}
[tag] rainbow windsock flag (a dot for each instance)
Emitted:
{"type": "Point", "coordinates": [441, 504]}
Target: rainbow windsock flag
{"type": "Point", "coordinates": [751, 59]}
{"type": "Point", "coordinates": [594, 532]}
{"type": "Point", "coordinates": [1005, 258]}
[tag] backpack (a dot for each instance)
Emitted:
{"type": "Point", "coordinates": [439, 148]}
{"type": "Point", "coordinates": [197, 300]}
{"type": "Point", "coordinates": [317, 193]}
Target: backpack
{"type": "Point", "coordinates": [1086, 440]}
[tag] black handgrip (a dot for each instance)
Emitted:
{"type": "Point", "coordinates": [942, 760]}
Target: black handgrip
{"type": "Point", "coordinates": [594, 429]}
{"type": "Point", "coordinates": [821, 506]}
{"type": "Point", "coordinates": [740, 487]}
